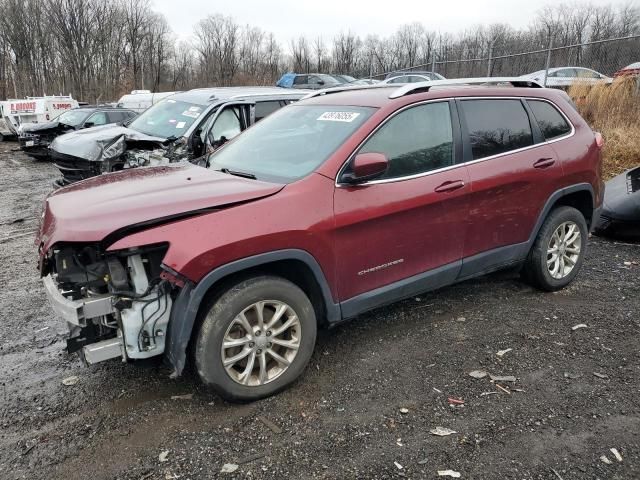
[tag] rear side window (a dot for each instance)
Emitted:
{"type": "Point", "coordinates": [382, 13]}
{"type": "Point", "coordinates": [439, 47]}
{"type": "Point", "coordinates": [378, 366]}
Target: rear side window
{"type": "Point", "coordinates": [551, 122]}
{"type": "Point", "coordinates": [266, 108]}
{"type": "Point", "coordinates": [496, 126]}
{"type": "Point", "coordinates": [300, 80]}
{"type": "Point", "coordinates": [415, 141]}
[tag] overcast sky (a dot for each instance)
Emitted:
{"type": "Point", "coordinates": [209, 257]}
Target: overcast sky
{"type": "Point", "coordinates": [291, 18]}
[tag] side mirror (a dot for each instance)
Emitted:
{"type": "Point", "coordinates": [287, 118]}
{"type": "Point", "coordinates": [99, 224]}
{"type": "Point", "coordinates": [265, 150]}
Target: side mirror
{"type": "Point", "coordinates": [365, 167]}
{"type": "Point", "coordinates": [88, 124]}
{"type": "Point", "coordinates": [320, 82]}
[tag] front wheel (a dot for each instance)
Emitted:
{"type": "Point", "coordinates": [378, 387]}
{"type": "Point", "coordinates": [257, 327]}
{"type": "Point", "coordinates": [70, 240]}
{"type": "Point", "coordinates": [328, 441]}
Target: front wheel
{"type": "Point", "coordinates": [256, 339]}
{"type": "Point", "coordinates": [558, 251]}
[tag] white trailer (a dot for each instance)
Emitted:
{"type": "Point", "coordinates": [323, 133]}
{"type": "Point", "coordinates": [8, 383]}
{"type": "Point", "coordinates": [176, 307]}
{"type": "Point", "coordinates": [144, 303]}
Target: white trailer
{"type": "Point", "coordinates": [140, 100]}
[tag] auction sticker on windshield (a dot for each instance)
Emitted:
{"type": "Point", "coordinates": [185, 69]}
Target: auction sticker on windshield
{"type": "Point", "coordinates": [339, 116]}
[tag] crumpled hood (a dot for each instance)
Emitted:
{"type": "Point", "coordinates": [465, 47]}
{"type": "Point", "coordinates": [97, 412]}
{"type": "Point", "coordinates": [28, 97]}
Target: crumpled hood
{"type": "Point", "coordinates": [38, 127]}
{"type": "Point", "coordinates": [91, 210]}
{"type": "Point", "coordinates": [90, 142]}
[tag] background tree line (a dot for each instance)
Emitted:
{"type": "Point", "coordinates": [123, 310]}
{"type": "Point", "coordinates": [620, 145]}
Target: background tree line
{"type": "Point", "coordinates": [99, 49]}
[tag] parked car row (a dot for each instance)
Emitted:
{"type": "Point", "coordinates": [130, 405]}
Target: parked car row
{"type": "Point", "coordinates": [242, 254]}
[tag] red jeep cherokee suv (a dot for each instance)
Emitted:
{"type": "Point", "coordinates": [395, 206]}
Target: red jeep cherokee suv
{"type": "Point", "coordinates": [343, 202]}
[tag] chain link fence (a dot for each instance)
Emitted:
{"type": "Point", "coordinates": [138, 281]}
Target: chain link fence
{"type": "Point", "coordinates": [604, 56]}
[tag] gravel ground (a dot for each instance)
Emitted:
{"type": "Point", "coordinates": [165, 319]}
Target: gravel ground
{"type": "Point", "coordinates": [364, 408]}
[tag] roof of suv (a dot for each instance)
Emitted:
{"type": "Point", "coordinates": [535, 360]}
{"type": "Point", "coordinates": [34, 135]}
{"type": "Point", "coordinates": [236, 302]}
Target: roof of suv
{"type": "Point", "coordinates": [380, 95]}
{"type": "Point", "coordinates": [206, 96]}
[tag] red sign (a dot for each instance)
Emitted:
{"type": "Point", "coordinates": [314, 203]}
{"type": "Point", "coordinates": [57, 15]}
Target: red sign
{"type": "Point", "coordinates": [61, 106]}
{"type": "Point", "coordinates": [23, 107]}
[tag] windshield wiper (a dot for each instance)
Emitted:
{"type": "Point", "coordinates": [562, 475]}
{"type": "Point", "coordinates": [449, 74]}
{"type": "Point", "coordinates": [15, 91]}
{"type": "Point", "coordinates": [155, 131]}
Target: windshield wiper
{"type": "Point", "coordinates": [238, 173]}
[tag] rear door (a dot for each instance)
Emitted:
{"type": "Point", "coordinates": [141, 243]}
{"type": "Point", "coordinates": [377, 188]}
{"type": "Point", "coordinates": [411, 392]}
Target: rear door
{"type": "Point", "coordinates": [513, 172]}
{"type": "Point", "coordinates": [411, 220]}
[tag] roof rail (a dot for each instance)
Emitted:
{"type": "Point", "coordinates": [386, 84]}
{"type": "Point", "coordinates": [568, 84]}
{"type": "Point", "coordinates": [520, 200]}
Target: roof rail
{"type": "Point", "coordinates": [344, 88]}
{"type": "Point", "coordinates": [425, 86]}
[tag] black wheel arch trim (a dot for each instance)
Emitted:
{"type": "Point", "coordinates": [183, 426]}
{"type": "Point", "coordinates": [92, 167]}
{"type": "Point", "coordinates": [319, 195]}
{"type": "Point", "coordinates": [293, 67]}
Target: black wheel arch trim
{"type": "Point", "coordinates": [557, 195]}
{"type": "Point", "coordinates": [187, 304]}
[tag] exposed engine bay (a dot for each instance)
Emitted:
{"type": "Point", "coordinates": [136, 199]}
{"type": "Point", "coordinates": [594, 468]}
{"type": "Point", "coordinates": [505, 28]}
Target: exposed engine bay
{"type": "Point", "coordinates": [115, 304]}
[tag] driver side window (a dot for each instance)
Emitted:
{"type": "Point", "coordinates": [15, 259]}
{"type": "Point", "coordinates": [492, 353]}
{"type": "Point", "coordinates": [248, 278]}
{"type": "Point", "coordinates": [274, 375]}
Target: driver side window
{"type": "Point", "coordinates": [417, 140]}
{"type": "Point", "coordinates": [227, 125]}
{"type": "Point", "coordinates": [98, 118]}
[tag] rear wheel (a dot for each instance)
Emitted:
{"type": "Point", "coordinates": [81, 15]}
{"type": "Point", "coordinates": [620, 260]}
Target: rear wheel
{"type": "Point", "coordinates": [256, 339]}
{"type": "Point", "coordinates": [558, 251]}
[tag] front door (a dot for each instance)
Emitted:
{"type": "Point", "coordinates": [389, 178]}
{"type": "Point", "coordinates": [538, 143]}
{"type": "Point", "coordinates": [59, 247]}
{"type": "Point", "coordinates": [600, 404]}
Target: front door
{"type": "Point", "coordinates": [403, 232]}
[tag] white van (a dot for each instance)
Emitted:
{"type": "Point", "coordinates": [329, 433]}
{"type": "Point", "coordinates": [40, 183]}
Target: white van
{"type": "Point", "coordinates": [5, 125]}
{"type": "Point", "coordinates": [35, 109]}
{"type": "Point", "coordinates": [140, 100]}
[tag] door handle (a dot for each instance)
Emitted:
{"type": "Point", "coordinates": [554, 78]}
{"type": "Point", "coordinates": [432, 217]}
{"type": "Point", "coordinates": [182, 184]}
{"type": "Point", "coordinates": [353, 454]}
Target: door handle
{"type": "Point", "coordinates": [450, 186]}
{"type": "Point", "coordinates": [544, 163]}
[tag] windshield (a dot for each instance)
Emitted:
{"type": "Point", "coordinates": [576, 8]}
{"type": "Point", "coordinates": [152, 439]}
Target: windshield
{"type": "Point", "coordinates": [290, 143]}
{"type": "Point", "coordinates": [73, 118]}
{"type": "Point", "coordinates": [168, 118]}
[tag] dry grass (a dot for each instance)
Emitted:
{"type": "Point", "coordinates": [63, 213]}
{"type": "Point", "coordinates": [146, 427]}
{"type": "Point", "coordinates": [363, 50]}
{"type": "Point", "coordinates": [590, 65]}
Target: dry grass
{"type": "Point", "coordinates": [614, 111]}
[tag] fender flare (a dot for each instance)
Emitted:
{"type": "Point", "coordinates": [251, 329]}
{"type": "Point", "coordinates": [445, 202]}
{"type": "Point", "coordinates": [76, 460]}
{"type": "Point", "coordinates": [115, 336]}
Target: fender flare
{"type": "Point", "coordinates": [557, 195]}
{"type": "Point", "coordinates": [187, 304]}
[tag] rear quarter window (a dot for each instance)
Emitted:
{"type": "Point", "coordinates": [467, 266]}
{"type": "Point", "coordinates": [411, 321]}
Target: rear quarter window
{"type": "Point", "coordinates": [550, 120]}
{"type": "Point", "coordinates": [496, 126]}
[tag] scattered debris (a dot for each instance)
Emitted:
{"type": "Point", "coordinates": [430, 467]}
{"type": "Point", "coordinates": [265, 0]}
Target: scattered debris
{"type": "Point", "coordinates": [229, 468]}
{"type": "Point", "coordinates": [70, 380]}
{"type": "Point", "coordinates": [503, 389]}
{"type": "Point", "coordinates": [478, 374]}
{"type": "Point", "coordinates": [600, 375]}
{"type": "Point", "coordinates": [439, 391]}
{"type": "Point", "coordinates": [448, 473]}
{"type": "Point", "coordinates": [604, 459]}
{"type": "Point", "coordinates": [502, 378]}
{"type": "Point", "coordinates": [270, 425]}
{"type": "Point", "coordinates": [572, 376]}
{"type": "Point", "coordinates": [580, 325]}
{"type": "Point", "coordinates": [557, 474]}
{"type": "Point", "coordinates": [455, 401]}
{"type": "Point", "coordinates": [187, 396]}
{"type": "Point", "coordinates": [628, 264]}
{"type": "Point", "coordinates": [616, 454]}
{"type": "Point", "coordinates": [500, 353]}
{"type": "Point", "coordinates": [398, 466]}
{"type": "Point", "coordinates": [423, 461]}
{"type": "Point", "coordinates": [488, 393]}
{"type": "Point", "coordinates": [442, 431]}
{"type": "Point", "coordinates": [460, 319]}
{"type": "Point", "coordinates": [28, 449]}
{"type": "Point", "coordinates": [163, 456]}
{"type": "Point", "coordinates": [404, 410]}
{"type": "Point", "coordinates": [519, 390]}
{"type": "Point", "coordinates": [399, 442]}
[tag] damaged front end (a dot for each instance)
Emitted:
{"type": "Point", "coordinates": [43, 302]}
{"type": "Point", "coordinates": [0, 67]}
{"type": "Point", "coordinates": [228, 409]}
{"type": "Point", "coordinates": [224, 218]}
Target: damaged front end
{"type": "Point", "coordinates": [34, 139]}
{"type": "Point", "coordinates": [85, 154]}
{"type": "Point", "coordinates": [115, 304]}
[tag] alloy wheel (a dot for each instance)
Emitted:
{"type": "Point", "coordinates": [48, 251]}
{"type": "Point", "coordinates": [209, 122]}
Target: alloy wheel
{"type": "Point", "coordinates": [564, 249]}
{"type": "Point", "coordinates": [261, 342]}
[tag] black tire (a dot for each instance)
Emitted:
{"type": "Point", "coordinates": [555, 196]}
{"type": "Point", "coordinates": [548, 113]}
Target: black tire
{"type": "Point", "coordinates": [220, 315]}
{"type": "Point", "coordinates": [534, 270]}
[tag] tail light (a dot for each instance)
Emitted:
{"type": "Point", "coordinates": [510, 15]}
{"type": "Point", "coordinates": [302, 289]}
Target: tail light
{"type": "Point", "coordinates": [599, 140]}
